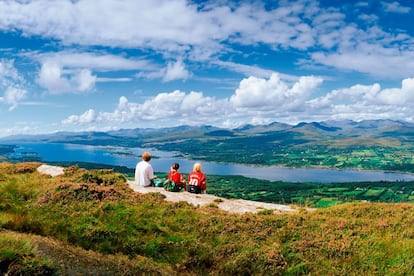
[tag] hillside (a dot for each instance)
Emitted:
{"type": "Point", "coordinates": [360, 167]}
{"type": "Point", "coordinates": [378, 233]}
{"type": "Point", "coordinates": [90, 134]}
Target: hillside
{"type": "Point", "coordinates": [232, 205]}
{"type": "Point", "coordinates": [91, 223]}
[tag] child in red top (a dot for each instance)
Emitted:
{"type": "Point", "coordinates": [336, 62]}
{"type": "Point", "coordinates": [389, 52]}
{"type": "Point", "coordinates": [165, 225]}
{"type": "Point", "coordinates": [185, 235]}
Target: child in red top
{"type": "Point", "coordinates": [177, 177]}
{"type": "Point", "coordinates": [197, 180]}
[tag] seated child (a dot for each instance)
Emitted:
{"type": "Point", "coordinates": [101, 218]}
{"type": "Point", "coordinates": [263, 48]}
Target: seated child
{"type": "Point", "coordinates": [197, 180]}
{"type": "Point", "coordinates": [177, 178]}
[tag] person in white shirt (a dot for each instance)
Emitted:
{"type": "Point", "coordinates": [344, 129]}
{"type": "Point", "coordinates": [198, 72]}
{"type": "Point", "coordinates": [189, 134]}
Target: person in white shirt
{"type": "Point", "coordinates": [144, 174]}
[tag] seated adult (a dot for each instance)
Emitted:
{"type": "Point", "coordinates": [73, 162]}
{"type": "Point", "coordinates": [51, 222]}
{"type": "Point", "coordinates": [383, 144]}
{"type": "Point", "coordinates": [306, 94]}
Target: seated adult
{"type": "Point", "coordinates": [144, 174]}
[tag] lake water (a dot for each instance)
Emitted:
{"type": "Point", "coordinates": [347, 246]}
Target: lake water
{"type": "Point", "coordinates": [57, 152]}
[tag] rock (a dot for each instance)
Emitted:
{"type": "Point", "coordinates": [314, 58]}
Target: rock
{"type": "Point", "coordinates": [50, 170]}
{"type": "Point", "coordinates": [230, 205]}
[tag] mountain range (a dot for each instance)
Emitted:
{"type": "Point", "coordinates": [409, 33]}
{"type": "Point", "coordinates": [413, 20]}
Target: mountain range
{"type": "Point", "coordinates": [308, 130]}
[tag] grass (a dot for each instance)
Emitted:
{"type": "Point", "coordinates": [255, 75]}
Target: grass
{"type": "Point", "coordinates": [96, 216]}
{"type": "Point", "coordinates": [374, 192]}
{"type": "Point", "coordinates": [326, 202]}
{"type": "Point", "coordinates": [18, 256]}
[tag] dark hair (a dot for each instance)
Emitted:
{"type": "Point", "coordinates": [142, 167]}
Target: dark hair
{"type": "Point", "coordinates": [175, 166]}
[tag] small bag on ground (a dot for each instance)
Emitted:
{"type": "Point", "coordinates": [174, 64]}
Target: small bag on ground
{"type": "Point", "coordinates": [157, 183]}
{"type": "Point", "coordinates": [194, 189]}
{"type": "Point", "coordinates": [171, 186]}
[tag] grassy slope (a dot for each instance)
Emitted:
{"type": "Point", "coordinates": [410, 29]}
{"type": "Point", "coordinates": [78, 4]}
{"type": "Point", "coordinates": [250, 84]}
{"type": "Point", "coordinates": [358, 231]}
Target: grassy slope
{"type": "Point", "coordinates": [94, 214]}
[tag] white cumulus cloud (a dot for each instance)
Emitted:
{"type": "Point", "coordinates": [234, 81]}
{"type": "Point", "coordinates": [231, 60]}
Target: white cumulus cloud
{"type": "Point", "coordinates": [262, 94]}
{"type": "Point", "coordinates": [260, 101]}
{"type": "Point", "coordinates": [175, 71]}
{"type": "Point", "coordinates": [51, 77]}
{"type": "Point", "coordinates": [86, 118]}
{"type": "Point", "coordinates": [84, 80]}
{"type": "Point", "coordinates": [176, 107]}
{"type": "Point", "coordinates": [57, 80]}
{"type": "Point", "coordinates": [361, 102]}
{"type": "Point", "coordinates": [399, 96]}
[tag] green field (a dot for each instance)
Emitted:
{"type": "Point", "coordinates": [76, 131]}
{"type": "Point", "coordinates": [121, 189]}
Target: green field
{"type": "Point", "coordinates": [310, 194]}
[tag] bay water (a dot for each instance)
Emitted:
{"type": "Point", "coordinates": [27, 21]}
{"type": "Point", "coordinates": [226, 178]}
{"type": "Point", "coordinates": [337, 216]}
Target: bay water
{"type": "Point", "coordinates": [121, 156]}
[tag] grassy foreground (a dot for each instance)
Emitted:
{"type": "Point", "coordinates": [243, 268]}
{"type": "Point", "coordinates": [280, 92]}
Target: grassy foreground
{"type": "Point", "coordinates": [90, 222]}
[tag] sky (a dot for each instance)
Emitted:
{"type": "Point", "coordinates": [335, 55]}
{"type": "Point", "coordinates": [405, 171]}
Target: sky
{"type": "Point", "coordinates": [87, 65]}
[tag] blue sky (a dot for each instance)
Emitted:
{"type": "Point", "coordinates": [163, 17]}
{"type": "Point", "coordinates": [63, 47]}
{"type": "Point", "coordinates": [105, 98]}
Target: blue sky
{"type": "Point", "coordinates": [110, 64]}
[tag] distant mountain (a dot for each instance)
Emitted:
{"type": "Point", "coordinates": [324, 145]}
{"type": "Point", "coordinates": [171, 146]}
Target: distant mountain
{"type": "Point", "coordinates": [275, 126]}
{"type": "Point", "coordinates": [307, 130]}
{"type": "Point", "coordinates": [348, 128]}
{"type": "Point", "coordinates": [313, 126]}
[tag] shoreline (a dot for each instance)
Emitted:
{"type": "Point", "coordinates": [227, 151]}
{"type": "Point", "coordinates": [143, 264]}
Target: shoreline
{"type": "Point", "coordinates": [273, 173]}
{"type": "Point", "coordinates": [128, 170]}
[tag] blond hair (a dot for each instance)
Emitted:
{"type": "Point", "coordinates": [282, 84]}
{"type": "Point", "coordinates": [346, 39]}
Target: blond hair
{"type": "Point", "coordinates": [146, 156]}
{"type": "Point", "coordinates": [197, 167]}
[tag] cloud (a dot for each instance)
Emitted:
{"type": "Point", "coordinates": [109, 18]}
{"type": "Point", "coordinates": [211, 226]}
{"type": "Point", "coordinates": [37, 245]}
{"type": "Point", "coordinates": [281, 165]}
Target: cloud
{"type": "Point", "coordinates": [370, 60]}
{"type": "Point", "coordinates": [165, 108]}
{"type": "Point", "coordinates": [403, 96]}
{"type": "Point", "coordinates": [8, 73]}
{"type": "Point", "coordinates": [258, 93]}
{"type": "Point", "coordinates": [262, 94]}
{"type": "Point", "coordinates": [100, 62]}
{"type": "Point", "coordinates": [204, 31]}
{"type": "Point", "coordinates": [247, 70]}
{"type": "Point", "coordinates": [13, 96]}
{"type": "Point", "coordinates": [395, 7]}
{"type": "Point", "coordinates": [21, 128]}
{"type": "Point", "coordinates": [72, 72]}
{"type": "Point", "coordinates": [86, 118]}
{"type": "Point", "coordinates": [366, 49]}
{"type": "Point", "coordinates": [129, 24]}
{"type": "Point", "coordinates": [259, 101]}
{"type": "Point", "coordinates": [357, 94]}
{"type": "Point", "coordinates": [118, 41]}
{"type": "Point", "coordinates": [175, 71]}
{"type": "Point", "coordinates": [85, 80]}
{"type": "Point", "coordinates": [51, 78]}
{"type": "Point", "coordinates": [12, 83]}
{"type": "Point", "coordinates": [113, 79]}
{"type": "Point", "coordinates": [361, 102]}
{"type": "Point", "coordinates": [254, 96]}
{"type": "Point", "coordinates": [56, 81]}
